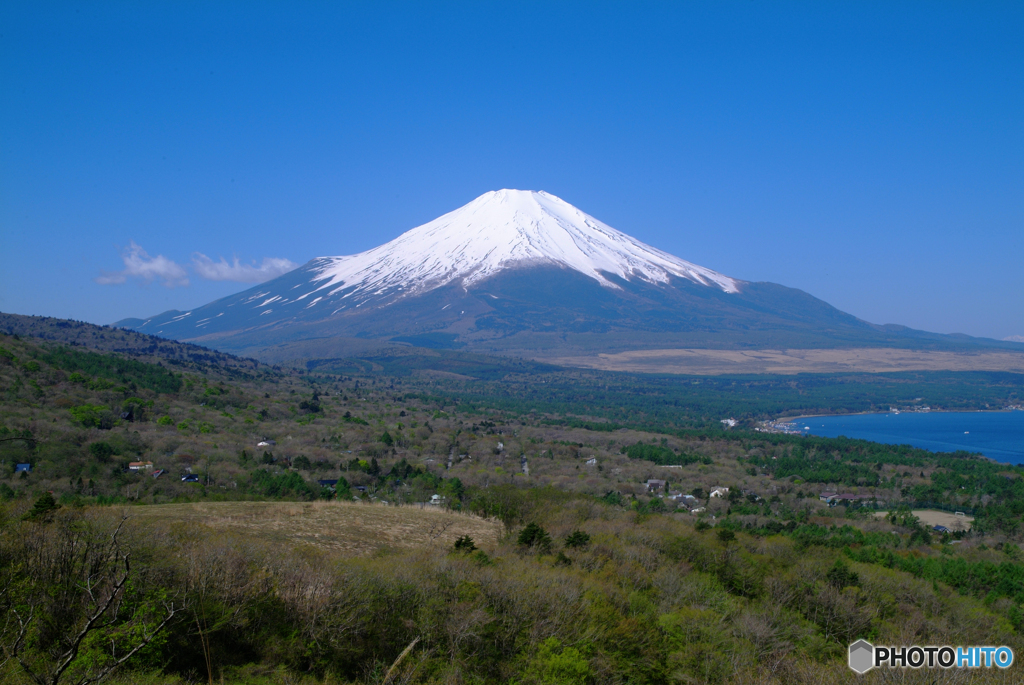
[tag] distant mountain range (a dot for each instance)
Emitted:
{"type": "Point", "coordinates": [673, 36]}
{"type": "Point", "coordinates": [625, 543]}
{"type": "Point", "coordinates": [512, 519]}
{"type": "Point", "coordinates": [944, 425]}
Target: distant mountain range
{"type": "Point", "coordinates": [524, 272]}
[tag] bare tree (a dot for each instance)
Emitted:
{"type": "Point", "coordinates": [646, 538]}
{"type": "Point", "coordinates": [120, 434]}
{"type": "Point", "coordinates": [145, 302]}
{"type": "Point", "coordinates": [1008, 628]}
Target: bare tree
{"type": "Point", "coordinates": [74, 601]}
{"type": "Point", "coordinates": [439, 528]}
{"type": "Point", "coordinates": [838, 614]}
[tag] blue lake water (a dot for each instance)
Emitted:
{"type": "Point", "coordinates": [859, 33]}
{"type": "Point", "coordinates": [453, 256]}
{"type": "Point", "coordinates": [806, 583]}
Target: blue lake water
{"type": "Point", "coordinates": [997, 435]}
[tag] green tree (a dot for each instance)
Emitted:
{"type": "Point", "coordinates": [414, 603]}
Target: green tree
{"type": "Point", "coordinates": [534, 536]}
{"type": "Point", "coordinates": [557, 665]}
{"type": "Point", "coordinates": [92, 416]}
{"type": "Point", "coordinates": [42, 508]}
{"type": "Point", "coordinates": [577, 538]}
{"type": "Point", "coordinates": [840, 576]}
{"type": "Point", "coordinates": [101, 451]}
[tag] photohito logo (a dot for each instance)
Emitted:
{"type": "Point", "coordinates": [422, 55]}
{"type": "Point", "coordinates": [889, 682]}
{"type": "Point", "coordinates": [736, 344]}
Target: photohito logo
{"type": "Point", "coordinates": [864, 656]}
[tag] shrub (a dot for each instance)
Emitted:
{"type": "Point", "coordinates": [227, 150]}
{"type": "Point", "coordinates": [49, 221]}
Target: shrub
{"type": "Point", "coordinates": [480, 558]}
{"type": "Point", "coordinates": [464, 544]}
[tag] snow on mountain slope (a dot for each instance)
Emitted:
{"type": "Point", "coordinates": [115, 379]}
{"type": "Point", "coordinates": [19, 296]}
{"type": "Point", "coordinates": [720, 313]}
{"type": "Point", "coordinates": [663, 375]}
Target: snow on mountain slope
{"type": "Point", "coordinates": [496, 231]}
{"type": "Point", "coordinates": [494, 238]}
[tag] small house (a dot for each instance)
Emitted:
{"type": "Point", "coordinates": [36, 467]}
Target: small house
{"type": "Point", "coordinates": [845, 498]}
{"type": "Point", "coordinates": [592, 461]}
{"type": "Point", "coordinates": [158, 473]}
{"type": "Point", "coordinates": [940, 529]}
{"type": "Point", "coordinates": [436, 500]}
{"type": "Point", "coordinates": [697, 510]}
{"type": "Point", "coordinates": [23, 468]}
{"type": "Point", "coordinates": [266, 443]}
{"type": "Point", "coordinates": [719, 492]}
{"type": "Point", "coordinates": [655, 485]}
{"type": "Point", "coordinates": [190, 478]}
{"type": "Point", "coordinates": [826, 496]}
{"type": "Point", "coordinates": [140, 465]}
{"type": "Point", "coordinates": [328, 483]}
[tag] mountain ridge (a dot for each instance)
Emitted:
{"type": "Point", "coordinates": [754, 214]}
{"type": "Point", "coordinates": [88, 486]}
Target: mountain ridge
{"type": "Point", "coordinates": [524, 271]}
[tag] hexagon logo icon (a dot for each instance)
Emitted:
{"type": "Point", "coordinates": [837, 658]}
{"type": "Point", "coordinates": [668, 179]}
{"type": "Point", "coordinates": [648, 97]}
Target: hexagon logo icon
{"type": "Point", "coordinates": [862, 656]}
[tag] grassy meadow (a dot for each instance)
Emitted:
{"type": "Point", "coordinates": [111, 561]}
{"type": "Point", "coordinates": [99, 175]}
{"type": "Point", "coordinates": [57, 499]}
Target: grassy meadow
{"type": "Point", "coordinates": [349, 528]}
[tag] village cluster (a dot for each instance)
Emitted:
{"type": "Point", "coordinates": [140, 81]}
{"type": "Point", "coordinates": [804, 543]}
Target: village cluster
{"type": "Point", "coordinates": [691, 503]}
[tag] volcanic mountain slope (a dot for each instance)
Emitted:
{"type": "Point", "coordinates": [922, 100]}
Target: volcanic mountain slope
{"type": "Point", "coordinates": [520, 271]}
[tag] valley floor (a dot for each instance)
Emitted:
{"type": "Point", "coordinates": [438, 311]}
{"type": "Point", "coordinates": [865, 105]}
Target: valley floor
{"type": "Point", "coordinates": [791, 361]}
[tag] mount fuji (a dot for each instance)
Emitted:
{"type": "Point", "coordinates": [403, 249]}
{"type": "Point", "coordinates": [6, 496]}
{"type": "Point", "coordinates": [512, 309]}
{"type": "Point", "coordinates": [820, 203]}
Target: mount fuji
{"type": "Point", "coordinates": [524, 272]}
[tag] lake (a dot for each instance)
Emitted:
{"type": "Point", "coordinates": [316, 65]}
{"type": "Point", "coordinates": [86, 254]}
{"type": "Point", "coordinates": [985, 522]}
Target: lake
{"type": "Point", "coordinates": [998, 435]}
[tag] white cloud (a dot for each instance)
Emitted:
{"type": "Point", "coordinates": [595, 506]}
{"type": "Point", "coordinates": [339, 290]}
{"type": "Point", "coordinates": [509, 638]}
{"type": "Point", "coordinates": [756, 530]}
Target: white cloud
{"type": "Point", "coordinates": [138, 264]}
{"type": "Point", "coordinates": [271, 267]}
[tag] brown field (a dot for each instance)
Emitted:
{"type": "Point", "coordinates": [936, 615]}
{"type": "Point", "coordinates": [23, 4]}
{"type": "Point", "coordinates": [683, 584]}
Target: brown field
{"type": "Point", "coordinates": [866, 360]}
{"type": "Point", "coordinates": [930, 518]}
{"type": "Point", "coordinates": [348, 527]}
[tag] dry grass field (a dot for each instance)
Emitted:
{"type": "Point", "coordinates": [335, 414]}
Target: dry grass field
{"type": "Point", "coordinates": [348, 527]}
{"type": "Point", "coordinates": [864, 360]}
{"type": "Point", "coordinates": [930, 517]}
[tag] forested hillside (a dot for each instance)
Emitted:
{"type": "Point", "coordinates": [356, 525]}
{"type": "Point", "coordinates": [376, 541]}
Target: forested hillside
{"type": "Point", "coordinates": [614, 561]}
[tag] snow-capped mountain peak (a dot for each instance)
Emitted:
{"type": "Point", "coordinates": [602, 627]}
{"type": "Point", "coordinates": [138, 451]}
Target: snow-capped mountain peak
{"type": "Point", "coordinates": [499, 230]}
{"type": "Point", "coordinates": [449, 262]}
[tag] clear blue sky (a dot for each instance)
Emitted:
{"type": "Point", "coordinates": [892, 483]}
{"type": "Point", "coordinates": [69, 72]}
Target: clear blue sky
{"type": "Point", "coordinates": [871, 154]}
